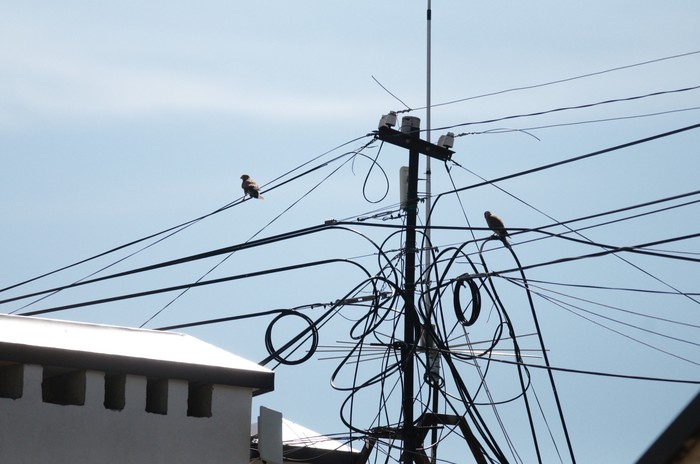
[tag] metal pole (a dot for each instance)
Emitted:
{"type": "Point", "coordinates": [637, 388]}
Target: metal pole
{"type": "Point", "coordinates": [410, 322]}
{"type": "Point", "coordinates": [428, 184]}
{"type": "Point", "coordinates": [409, 138]}
{"type": "Point", "coordinates": [427, 256]}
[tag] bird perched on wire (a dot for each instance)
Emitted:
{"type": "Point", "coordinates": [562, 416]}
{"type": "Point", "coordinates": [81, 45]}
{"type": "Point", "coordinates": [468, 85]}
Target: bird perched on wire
{"type": "Point", "coordinates": [250, 187]}
{"type": "Point", "coordinates": [496, 225]}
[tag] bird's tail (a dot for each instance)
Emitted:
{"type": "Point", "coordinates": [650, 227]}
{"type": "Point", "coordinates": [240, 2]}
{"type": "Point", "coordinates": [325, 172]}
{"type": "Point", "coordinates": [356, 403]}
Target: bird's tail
{"type": "Point", "coordinates": [505, 241]}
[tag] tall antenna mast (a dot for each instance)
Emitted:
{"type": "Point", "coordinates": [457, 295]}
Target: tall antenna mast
{"type": "Point", "coordinates": [427, 252]}
{"type": "Point", "coordinates": [428, 126]}
{"type": "Point", "coordinates": [428, 201]}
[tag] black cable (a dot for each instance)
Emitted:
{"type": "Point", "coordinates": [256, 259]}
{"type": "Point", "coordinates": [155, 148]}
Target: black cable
{"type": "Point", "coordinates": [546, 423]}
{"type": "Point", "coordinates": [492, 402]}
{"type": "Point", "coordinates": [516, 348]}
{"type": "Point", "coordinates": [576, 123]}
{"type": "Point", "coordinates": [587, 241]}
{"type": "Point", "coordinates": [376, 379]}
{"type": "Point", "coordinates": [311, 161]}
{"type": "Point", "coordinates": [326, 163]}
{"type": "Point", "coordinates": [180, 227]}
{"type": "Point", "coordinates": [555, 224]}
{"type": "Point", "coordinates": [567, 108]}
{"type": "Point", "coordinates": [592, 216]}
{"type": "Point", "coordinates": [562, 303]}
{"type": "Point", "coordinates": [208, 254]}
{"type": "Point", "coordinates": [312, 329]}
{"type": "Point", "coordinates": [455, 190]}
{"type": "Point", "coordinates": [609, 249]}
{"type": "Point", "coordinates": [578, 232]}
{"type": "Point", "coordinates": [542, 346]}
{"type": "Point", "coordinates": [612, 250]}
{"type": "Point", "coordinates": [559, 81]}
{"type": "Point", "coordinates": [192, 284]}
{"type": "Point", "coordinates": [275, 354]}
{"type": "Point", "coordinates": [615, 221]}
{"type": "Point", "coordinates": [235, 318]}
{"type": "Point", "coordinates": [637, 249]}
{"type": "Point", "coordinates": [369, 172]}
{"type": "Point", "coordinates": [476, 301]}
{"type": "Point", "coordinates": [443, 347]}
{"type": "Point", "coordinates": [603, 287]}
{"type": "Point", "coordinates": [600, 374]}
{"type": "Point", "coordinates": [617, 332]}
{"type": "Point", "coordinates": [176, 228]}
{"type": "Point", "coordinates": [472, 412]}
{"type": "Point", "coordinates": [308, 192]}
{"type": "Point", "coordinates": [570, 160]}
{"type": "Point", "coordinates": [104, 268]}
{"type": "Point", "coordinates": [635, 313]}
{"type": "Point", "coordinates": [187, 259]}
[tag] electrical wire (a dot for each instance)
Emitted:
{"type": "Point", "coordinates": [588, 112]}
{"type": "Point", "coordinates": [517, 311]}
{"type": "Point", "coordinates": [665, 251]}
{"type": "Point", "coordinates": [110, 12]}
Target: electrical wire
{"type": "Point", "coordinates": [609, 251]}
{"type": "Point", "coordinates": [578, 232]}
{"type": "Point", "coordinates": [562, 162]}
{"type": "Point", "coordinates": [568, 307]}
{"type": "Point", "coordinates": [616, 308]}
{"type": "Point", "coordinates": [173, 229]}
{"type": "Point", "coordinates": [200, 256]}
{"type": "Point", "coordinates": [286, 210]}
{"type": "Point", "coordinates": [559, 81]}
{"type": "Point", "coordinates": [569, 108]}
{"type": "Point", "coordinates": [562, 303]}
{"type": "Point", "coordinates": [600, 373]}
{"type": "Point", "coordinates": [178, 228]}
{"type": "Point", "coordinates": [576, 123]}
{"type": "Point", "coordinates": [192, 284]}
{"type": "Point", "coordinates": [386, 313]}
{"type": "Point", "coordinates": [605, 287]}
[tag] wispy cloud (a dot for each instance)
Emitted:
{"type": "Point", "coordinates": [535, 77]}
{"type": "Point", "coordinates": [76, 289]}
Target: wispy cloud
{"type": "Point", "coordinates": [38, 83]}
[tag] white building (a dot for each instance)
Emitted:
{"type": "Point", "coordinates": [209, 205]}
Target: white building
{"type": "Point", "coordinates": [299, 445]}
{"type": "Point", "coordinates": [86, 393]}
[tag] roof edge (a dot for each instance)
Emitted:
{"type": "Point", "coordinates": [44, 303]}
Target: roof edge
{"type": "Point", "coordinates": [259, 381]}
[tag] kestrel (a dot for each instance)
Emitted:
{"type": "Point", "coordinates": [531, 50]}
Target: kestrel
{"type": "Point", "coordinates": [250, 187]}
{"type": "Point", "coordinates": [496, 225]}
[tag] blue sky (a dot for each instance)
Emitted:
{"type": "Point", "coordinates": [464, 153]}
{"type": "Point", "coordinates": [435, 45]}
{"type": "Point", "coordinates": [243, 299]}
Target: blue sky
{"type": "Point", "coordinates": [121, 120]}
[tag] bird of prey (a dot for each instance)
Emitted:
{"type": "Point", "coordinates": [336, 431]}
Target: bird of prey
{"type": "Point", "coordinates": [250, 187]}
{"type": "Point", "coordinates": [496, 225]}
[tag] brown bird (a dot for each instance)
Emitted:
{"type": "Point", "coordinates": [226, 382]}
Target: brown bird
{"type": "Point", "coordinates": [250, 187]}
{"type": "Point", "coordinates": [496, 225]}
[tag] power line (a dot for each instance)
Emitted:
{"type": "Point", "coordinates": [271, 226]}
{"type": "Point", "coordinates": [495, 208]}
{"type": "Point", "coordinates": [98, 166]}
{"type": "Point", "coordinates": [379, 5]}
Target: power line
{"type": "Point", "coordinates": [559, 81]}
{"type": "Point", "coordinates": [598, 373]}
{"type": "Point", "coordinates": [561, 302]}
{"type": "Point", "coordinates": [200, 283]}
{"type": "Point", "coordinates": [307, 193]}
{"type": "Point", "coordinates": [516, 230]}
{"type": "Point", "coordinates": [539, 336]}
{"type": "Point", "coordinates": [616, 308]}
{"type": "Point", "coordinates": [576, 123]}
{"type": "Point", "coordinates": [568, 307]}
{"type": "Point", "coordinates": [611, 250]}
{"type": "Point", "coordinates": [173, 229]}
{"type": "Point", "coordinates": [603, 287]}
{"type": "Point", "coordinates": [178, 228]}
{"type": "Point", "coordinates": [178, 261]}
{"type": "Point", "coordinates": [571, 160]}
{"type": "Point", "coordinates": [568, 108]}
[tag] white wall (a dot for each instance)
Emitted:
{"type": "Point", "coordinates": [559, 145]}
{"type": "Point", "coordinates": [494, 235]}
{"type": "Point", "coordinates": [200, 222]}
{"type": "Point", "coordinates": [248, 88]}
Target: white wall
{"type": "Point", "coordinates": [35, 432]}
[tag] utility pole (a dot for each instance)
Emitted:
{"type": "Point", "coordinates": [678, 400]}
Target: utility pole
{"type": "Point", "coordinates": [409, 138]}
